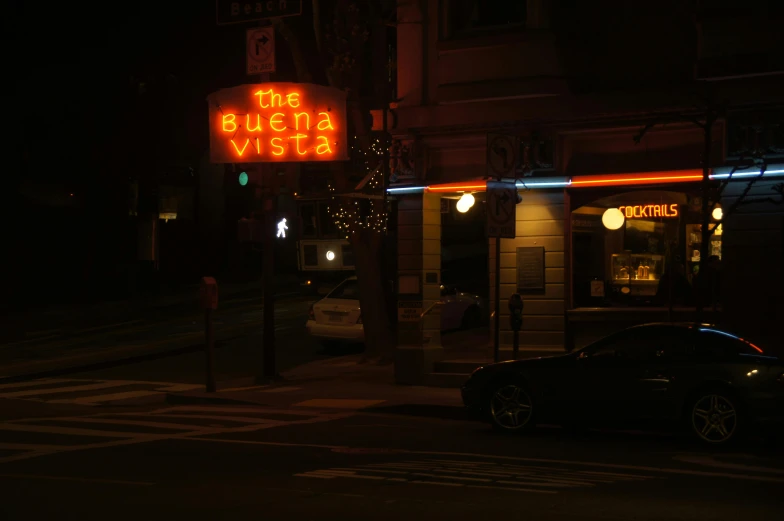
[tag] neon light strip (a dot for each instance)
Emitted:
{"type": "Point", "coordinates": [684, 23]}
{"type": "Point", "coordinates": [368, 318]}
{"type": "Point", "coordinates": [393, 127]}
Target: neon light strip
{"type": "Point", "coordinates": [743, 174]}
{"type": "Point", "coordinates": [469, 186]}
{"type": "Point", "coordinates": [544, 183]}
{"type": "Point", "coordinates": [406, 189]}
{"type": "Point", "coordinates": [675, 176]}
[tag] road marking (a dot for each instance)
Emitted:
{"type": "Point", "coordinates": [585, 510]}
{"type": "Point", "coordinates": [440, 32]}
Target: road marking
{"type": "Point", "coordinates": [140, 423]}
{"type": "Point", "coordinates": [251, 388]}
{"type": "Point", "coordinates": [280, 389]}
{"type": "Point", "coordinates": [710, 461]}
{"type": "Point", "coordinates": [328, 403]}
{"type": "Point", "coordinates": [236, 419]}
{"type": "Point", "coordinates": [641, 468]}
{"type": "Point", "coordinates": [158, 388]}
{"type": "Point", "coordinates": [132, 438]}
{"type": "Point", "coordinates": [72, 478]}
{"type": "Point", "coordinates": [58, 390]}
{"type": "Point", "coordinates": [33, 383]}
{"type": "Point", "coordinates": [91, 400]}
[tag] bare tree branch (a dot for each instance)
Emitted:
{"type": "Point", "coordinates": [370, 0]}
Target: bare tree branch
{"type": "Point", "coordinates": [303, 73]}
{"type": "Point", "coordinates": [667, 120]}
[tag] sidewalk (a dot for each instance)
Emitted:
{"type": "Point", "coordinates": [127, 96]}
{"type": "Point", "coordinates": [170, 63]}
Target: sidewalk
{"type": "Point", "coordinates": [340, 383]}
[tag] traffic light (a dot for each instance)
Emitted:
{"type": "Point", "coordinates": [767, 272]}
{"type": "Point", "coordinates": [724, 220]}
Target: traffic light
{"type": "Point", "coordinates": [243, 178]}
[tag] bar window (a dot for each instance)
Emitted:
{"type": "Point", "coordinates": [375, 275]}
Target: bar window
{"type": "Point", "coordinates": [467, 17]}
{"type": "Point", "coordinates": [307, 219]}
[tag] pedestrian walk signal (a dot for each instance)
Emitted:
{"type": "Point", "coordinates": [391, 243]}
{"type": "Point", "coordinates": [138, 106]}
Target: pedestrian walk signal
{"type": "Point", "coordinates": [243, 178]}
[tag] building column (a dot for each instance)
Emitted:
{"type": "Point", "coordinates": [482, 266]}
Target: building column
{"type": "Point", "coordinates": [419, 287]}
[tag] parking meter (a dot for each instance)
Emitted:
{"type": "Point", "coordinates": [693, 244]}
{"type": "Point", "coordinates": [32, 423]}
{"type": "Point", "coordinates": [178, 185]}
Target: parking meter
{"type": "Point", "coordinates": [516, 320]}
{"type": "Point", "coordinates": [516, 311]}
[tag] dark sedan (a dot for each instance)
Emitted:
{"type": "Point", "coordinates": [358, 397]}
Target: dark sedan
{"type": "Point", "coordinates": [718, 384]}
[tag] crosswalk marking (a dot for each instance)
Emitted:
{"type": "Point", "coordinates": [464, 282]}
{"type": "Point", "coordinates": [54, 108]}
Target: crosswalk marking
{"type": "Point", "coordinates": [92, 400]}
{"type": "Point", "coordinates": [61, 434]}
{"type": "Point", "coordinates": [57, 390]}
{"type": "Point", "coordinates": [32, 383]}
{"type": "Point", "coordinates": [536, 479]}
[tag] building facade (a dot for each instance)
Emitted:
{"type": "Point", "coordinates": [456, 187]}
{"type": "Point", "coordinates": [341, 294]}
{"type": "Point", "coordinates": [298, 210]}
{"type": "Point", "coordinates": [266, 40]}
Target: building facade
{"type": "Point", "coordinates": [595, 127]}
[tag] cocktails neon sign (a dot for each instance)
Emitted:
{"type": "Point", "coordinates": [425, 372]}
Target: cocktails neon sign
{"type": "Point", "coordinates": [647, 211]}
{"type": "Point", "coordinates": [278, 122]}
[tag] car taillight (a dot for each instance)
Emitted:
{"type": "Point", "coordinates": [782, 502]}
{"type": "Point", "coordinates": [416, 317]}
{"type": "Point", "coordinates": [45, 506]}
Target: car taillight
{"type": "Point", "coordinates": [311, 314]}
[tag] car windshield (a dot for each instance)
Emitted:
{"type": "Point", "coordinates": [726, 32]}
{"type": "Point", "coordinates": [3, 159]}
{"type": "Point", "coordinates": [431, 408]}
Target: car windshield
{"type": "Point", "coordinates": [349, 290]}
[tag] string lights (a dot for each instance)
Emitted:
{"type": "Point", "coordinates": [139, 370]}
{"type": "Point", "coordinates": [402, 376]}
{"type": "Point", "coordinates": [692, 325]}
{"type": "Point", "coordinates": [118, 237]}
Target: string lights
{"type": "Point", "coordinates": [352, 214]}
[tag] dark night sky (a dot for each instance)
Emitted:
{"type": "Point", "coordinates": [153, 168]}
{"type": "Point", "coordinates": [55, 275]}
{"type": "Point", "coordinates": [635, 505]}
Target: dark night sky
{"type": "Point", "coordinates": [75, 65]}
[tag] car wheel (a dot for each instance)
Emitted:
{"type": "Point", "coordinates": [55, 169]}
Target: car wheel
{"type": "Point", "coordinates": [471, 318]}
{"type": "Point", "coordinates": [714, 417]}
{"type": "Point", "coordinates": [510, 407]}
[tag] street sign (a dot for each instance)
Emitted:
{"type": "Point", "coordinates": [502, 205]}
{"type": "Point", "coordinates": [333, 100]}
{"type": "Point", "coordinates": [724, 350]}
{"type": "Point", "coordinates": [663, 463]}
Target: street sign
{"type": "Point", "coordinates": [501, 205]}
{"type": "Point", "coordinates": [501, 154]}
{"type": "Point", "coordinates": [260, 53]}
{"type": "Point", "coordinates": [409, 311]}
{"type": "Point", "coordinates": [234, 12]}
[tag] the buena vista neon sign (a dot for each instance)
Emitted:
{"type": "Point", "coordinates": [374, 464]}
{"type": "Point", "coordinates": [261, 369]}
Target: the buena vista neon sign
{"type": "Point", "coordinates": [277, 122]}
{"type": "Point", "coordinates": [645, 211]}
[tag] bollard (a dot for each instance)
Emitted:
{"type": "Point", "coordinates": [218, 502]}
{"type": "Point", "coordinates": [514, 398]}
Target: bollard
{"type": "Point", "coordinates": [209, 301]}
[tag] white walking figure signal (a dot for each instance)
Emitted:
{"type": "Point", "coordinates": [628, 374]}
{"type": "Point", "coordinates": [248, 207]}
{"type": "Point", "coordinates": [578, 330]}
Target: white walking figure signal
{"type": "Point", "coordinates": [282, 228]}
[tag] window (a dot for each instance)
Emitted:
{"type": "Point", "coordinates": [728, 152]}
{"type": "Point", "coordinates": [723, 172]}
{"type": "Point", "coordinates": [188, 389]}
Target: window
{"type": "Point", "coordinates": [644, 344]}
{"type": "Point", "coordinates": [327, 226]}
{"type": "Point", "coordinates": [310, 255]}
{"type": "Point", "coordinates": [349, 290]}
{"type": "Point", "coordinates": [471, 16]}
{"type": "Point", "coordinates": [347, 252]}
{"type": "Point", "coordinates": [307, 219]}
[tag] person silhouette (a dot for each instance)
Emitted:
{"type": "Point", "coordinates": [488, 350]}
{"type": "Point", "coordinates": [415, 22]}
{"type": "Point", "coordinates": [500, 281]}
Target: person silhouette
{"type": "Point", "coordinates": [282, 228]}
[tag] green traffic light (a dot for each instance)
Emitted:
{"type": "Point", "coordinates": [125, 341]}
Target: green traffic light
{"type": "Point", "coordinates": [243, 178]}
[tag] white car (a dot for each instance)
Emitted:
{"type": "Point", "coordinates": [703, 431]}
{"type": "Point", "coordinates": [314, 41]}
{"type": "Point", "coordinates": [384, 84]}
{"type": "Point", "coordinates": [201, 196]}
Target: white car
{"type": "Point", "coordinates": [337, 317]}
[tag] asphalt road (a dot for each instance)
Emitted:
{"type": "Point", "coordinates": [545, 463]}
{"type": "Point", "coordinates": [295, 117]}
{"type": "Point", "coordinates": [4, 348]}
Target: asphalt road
{"type": "Point", "coordinates": [236, 320]}
{"type": "Point", "coordinates": [336, 462]}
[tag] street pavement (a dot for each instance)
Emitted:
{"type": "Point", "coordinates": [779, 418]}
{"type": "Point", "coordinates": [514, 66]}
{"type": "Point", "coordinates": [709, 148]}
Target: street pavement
{"type": "Point", "coordinates": [142, 336]}
{"type": "Point", "coordinates": [331, 458]}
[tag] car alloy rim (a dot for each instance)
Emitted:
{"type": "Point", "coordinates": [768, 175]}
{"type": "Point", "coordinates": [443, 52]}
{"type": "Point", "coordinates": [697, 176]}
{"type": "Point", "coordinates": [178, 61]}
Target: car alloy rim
{"type": "Point", "coordinates": [714, 418]}
{"type": "Point", "coordinates": [511, 407]}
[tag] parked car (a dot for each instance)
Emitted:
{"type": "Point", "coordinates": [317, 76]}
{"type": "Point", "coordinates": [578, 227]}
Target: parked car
{"type": "Point", "coordinates": [337, 317]}
{"type": "Point", "coordinates": [716, 384]}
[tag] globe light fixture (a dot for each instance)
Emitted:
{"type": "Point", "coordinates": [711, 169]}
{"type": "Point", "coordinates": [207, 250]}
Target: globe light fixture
{"type": "Point", "coordinates": [330, 255]}
{"type": "Point", "coordinates": [612, 219]}
{"type": "Point", "coordinates": [465, 203]}
{"type": "Point", "coordinates": [717, 213]}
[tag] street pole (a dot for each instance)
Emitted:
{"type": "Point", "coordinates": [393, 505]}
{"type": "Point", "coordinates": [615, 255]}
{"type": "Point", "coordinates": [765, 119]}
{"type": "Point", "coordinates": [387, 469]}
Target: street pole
{"type": "Point", "coordinates": [269, 362]}
{"type": "Point", "coordinates": [497, 321]}
{"type": "Point", "coordinates": [268, 267]}
{"type": "Point", "coordinates": [210, 346]}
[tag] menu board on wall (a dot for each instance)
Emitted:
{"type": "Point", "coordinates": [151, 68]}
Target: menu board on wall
{"type": "Point", "coordinates": [530, 268]}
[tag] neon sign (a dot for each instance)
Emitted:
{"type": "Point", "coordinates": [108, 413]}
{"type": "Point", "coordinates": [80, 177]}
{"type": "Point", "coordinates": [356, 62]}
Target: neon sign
{"type": "Point", "coordinates": [278, 122]}
{"type": "Point", "coordinates": [647, 211]}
